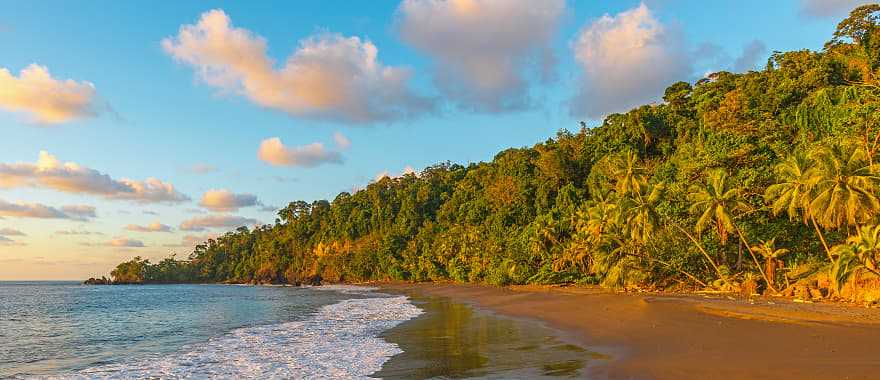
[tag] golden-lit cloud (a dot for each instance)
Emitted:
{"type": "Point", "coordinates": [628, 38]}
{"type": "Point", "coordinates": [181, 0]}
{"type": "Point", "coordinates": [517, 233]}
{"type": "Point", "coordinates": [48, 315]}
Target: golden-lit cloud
{"type": "Point", "coordinates": [45, 99]}
{"type": "Point", "coordinates": [49, 172]}
{"type": "Point", "coordinates": [225, 200]}
{"type": "Point", "coordinates": [329, 76]}
{"type": "Point", "coordinates": [486, 53]}
{"type": "Point", "coordinates": [122, 242]}
{"type": "Point", "coordinates": [626, 60]}
{"type": "Point", "coordinates": [216, 221]}
{"type": "Point", "coordinates": [274, 152]}
{"type": "Point", "coordinates": [41, 211]}
{"type": "Point", "coordinates": [152, 227]}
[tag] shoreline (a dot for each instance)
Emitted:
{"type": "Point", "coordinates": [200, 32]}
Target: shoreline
{"type": "Point", "coordinates": [658, 336]}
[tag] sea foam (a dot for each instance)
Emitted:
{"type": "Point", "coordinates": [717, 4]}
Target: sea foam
{"type": "Point", "coordinates": [339, 341]}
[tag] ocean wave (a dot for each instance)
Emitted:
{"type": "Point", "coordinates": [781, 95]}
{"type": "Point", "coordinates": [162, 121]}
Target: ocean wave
{"type": "Point", "coordinates": [339, 341]}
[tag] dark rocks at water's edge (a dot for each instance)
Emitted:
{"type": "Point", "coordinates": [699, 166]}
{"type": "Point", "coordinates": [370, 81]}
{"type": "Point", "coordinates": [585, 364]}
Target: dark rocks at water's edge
{"type": "Point", "coordinates": [98, 281]}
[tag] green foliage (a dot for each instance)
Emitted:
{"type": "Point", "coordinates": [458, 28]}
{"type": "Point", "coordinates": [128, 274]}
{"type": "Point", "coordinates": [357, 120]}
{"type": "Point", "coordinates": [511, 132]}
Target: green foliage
{"type": "Point", "coordinates": [785, 155]}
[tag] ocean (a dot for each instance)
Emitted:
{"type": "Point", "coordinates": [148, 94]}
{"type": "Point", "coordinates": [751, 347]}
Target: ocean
{"type": "Point", "coordinates": [65, 330]}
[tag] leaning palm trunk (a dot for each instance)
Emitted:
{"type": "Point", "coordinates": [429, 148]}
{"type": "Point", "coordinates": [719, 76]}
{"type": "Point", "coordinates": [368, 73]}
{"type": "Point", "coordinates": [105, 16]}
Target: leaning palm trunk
{"type": "Point", "coordinates": [758, 264]}
{"type": "Point", "coordinates": [822, 238]}
{"type": "Point", "coordinates": [703, 251]}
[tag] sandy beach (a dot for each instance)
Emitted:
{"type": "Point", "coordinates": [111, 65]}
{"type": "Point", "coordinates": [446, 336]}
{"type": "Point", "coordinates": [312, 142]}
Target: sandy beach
{"type": "Point", "coordinates": [650, 336]}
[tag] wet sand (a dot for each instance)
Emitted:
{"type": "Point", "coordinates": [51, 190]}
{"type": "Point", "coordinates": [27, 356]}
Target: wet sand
{"type": "Point", "coordinates": [651, 336]}
{"type": "Point", "coordinates": [455, 340]}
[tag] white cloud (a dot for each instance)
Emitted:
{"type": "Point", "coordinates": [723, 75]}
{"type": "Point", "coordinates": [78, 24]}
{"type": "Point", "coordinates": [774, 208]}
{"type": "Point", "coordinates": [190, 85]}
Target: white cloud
{"type": "Point", "coordinates": [627, 59]}
{"type": "Point", "coordinates": [385, 173]}
{"type": "Point", "coordinates": [486, 52]}
{"type": "Point", "coordinates": [216, 221]}
{"type": "Point", "coordinates": [41, 211]}
{"type": "Point", "coordinates": [152, 227]}
{"type": "Point", "coordinates": [69, 177]}
{"type": "Point", "coordinates": [47, 100]}
{"type": "Point", "coordinates": [225, 200]}
{"type": "Point", "coordinates": [11, 232]}
{"type": "Point", "coordinates": [328, 77]}
{"type": "Point", "coordinates": [829, 8]}
{"type": "Point", "coordinates": [275, 153]}
{"type": "Point", "coordinates": [342, 142]}
{"type": "Point", "coordinates": [122, 242]}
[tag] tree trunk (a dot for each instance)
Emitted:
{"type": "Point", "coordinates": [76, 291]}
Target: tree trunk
{"type": "Point", "coordinates": [741, 236]}
{"type": "Point", "coordinates": [821, 238]}
{"type": "Point", "coordinates": [771, 271]}
{"type": "Point", "coordinates": [739, 256]}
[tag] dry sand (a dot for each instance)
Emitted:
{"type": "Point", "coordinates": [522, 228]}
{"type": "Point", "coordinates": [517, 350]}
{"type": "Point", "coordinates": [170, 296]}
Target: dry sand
{"type": "Point", "coordinates": [653, 336]}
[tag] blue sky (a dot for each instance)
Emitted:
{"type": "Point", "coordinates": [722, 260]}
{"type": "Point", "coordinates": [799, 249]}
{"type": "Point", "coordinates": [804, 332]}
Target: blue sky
{"type": "Point", "coordinates": [153, 115]}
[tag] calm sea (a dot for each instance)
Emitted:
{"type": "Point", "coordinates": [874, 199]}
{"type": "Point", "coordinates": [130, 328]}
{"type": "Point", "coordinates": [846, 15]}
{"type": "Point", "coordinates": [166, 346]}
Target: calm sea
{"type": "Point", "coordinates": [68, 330]}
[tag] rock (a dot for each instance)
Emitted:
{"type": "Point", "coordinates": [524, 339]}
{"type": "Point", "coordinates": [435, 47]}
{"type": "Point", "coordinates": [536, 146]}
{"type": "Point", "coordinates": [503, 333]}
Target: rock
{"type": "Point", "coordinates": [816, 294]}
{"type": "Point", "coordinates": [314, 280]}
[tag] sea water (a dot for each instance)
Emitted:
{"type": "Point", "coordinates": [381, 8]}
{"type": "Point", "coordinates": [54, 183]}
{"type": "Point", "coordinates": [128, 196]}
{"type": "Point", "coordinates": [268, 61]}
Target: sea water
{"type": "Point", "coordinates": [68, 330]}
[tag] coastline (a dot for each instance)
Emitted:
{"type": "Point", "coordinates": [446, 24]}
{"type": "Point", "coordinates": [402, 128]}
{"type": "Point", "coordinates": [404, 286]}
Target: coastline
{"type": "Point", "coordinates": [655, 336]}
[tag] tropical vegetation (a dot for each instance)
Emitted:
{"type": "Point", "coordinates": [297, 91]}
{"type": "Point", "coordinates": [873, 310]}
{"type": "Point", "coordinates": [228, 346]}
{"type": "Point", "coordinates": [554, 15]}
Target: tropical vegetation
{"type": "Point", "coordinates": [765, 180]}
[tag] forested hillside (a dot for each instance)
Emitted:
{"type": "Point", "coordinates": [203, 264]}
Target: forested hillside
{"type": "Point", "coordinates": [757, 181]}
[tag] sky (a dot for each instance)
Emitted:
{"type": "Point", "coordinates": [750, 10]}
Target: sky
{"type": "Point", "coordinates": [141, 128]}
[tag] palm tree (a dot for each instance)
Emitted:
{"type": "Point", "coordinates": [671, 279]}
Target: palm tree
{"type": "Point", "coordinates": [861, 251]}
{"type": "Point", "coordinates": [772, 256]}
{"type": "Point", "coordinates": [640, 218]}
{"type": "Point", "coordinates": [624, 169]}
{"type": "Point", "coordinates": [845, 189]}
{"type": "Point", "coordinates": [794, 193]}
{"type": "Point", "coordinates": [715, 201]}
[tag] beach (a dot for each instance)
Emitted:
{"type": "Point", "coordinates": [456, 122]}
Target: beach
{"type": "Point", "coordinates": [657, 336]}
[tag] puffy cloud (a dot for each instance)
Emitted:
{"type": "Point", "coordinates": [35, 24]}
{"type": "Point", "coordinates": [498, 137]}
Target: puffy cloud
{"type": "Point", "coordinates": [126, 243]}
{"type": "Point", "coordinates": [225, 200]}
{"type": "Point", "coordinates": [5, 241]}
{"type": "Point", "coordinates": [627, 59]}
{"type": "Point", "coordinates": [47, 100]}
{"type": "Point", "coordinates": [152, 227]}
{"type": "Point", "coordinates": [751, 55]}
{"type": "Point", "coordinates": [385, 173]}
{"type": "Point", "coordinates": [11, 232]}
{"type": "Point", "coordinates": [49, 172]}
{"type": "Point", "coordinates": [216, 221]}
{"type": "Point", "coordinates": [275, 153]}
{"type": "Point", "coordinates": [328, 77]}
{"type": "Point", "coordinates": [342, 142]}
{"type": "Point", "coordinates": [829, 8]}
{"type": "Point", "coordinates": [484, 50]}
{"type": "Point", "coordinates": [41, 211]}
{"type": "Point", "coordinates": [80, 212]}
